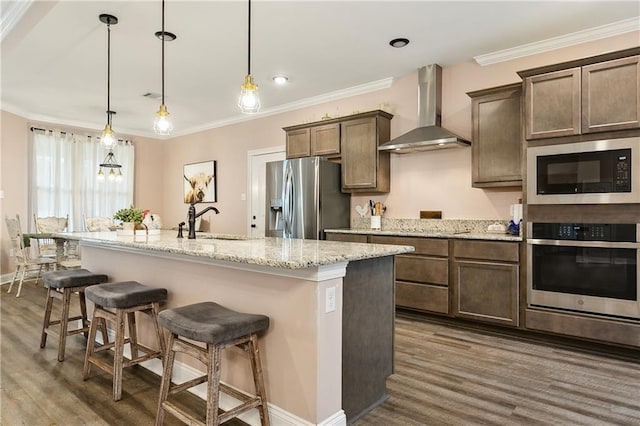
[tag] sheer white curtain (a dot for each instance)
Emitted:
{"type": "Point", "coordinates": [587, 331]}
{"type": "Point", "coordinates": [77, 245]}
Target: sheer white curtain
{"type": "Point", "coordinates": [64, 177]}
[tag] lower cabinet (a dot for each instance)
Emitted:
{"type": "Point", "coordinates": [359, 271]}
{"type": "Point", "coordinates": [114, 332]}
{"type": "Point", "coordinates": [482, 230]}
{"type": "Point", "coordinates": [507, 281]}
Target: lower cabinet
{"type": "Point", "coordinates": [422, 277]}
{"type": "Point", "coordinates": [485, 281]}
{"type": "Point", "coordinates": [479, 281]}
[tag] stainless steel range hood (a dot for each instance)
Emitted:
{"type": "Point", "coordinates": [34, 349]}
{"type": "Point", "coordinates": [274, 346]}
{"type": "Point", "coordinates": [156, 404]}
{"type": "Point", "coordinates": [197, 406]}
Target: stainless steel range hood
{"type": "Point", "coordinates": [429, 135]}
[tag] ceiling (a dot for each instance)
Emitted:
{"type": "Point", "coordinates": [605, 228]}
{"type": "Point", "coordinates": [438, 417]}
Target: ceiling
{"type": "Point", "coordinates": [54, 58]}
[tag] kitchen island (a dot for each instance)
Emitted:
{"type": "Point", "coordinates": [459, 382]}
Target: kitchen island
{"type": "Point", "coordinates": [329, 348]}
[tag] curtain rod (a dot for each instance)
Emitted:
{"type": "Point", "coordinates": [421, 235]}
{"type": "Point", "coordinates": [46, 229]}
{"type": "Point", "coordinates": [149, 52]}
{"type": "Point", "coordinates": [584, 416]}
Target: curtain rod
{"type": "Point", "coordinates": [64, 133]}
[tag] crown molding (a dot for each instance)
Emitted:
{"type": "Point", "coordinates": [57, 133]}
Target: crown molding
{"type": "Point", "coordinates": [315, 100]}
{"type": "Point", "coordinates": [571, 39]}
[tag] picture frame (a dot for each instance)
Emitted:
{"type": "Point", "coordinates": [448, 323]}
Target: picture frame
{"type": "Point", "coordinates": [200, 182]}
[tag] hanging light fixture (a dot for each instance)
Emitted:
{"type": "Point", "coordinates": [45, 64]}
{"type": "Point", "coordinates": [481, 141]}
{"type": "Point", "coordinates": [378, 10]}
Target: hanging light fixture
{"type": "Point", "coordinates": [249, 101]}
{"type": "Point", "coordinates": [111, 164]}
{"type": "Point", "coordinates": [108, 138]}
{"type": "Point", "coordinates": [162, 124]}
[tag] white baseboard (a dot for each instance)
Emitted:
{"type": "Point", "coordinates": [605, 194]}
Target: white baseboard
{"type": "Point", "coordinates": [277, 415]}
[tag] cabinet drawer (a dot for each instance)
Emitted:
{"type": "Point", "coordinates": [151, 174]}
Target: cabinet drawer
{"type": "Point", "coordinates": [422, 297]}
{"type": "Point", "coordinates": [352, 238]}
{"type": "Point", "coordinates": [488, 250]}
{"type": "Point", "coordinates": [422, 269]}
{"type": "Point", "coordinates": [428, 246]}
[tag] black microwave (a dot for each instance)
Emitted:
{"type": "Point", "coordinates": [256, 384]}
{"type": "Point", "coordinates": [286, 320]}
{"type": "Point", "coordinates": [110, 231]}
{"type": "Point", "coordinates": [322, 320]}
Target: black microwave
{"type": "Point", "coordinates": [605, 171]}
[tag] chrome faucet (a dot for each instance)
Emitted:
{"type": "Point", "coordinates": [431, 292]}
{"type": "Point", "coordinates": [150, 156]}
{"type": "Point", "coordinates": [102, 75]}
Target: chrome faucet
{"type": "Point", "coordinates": [192, 216]}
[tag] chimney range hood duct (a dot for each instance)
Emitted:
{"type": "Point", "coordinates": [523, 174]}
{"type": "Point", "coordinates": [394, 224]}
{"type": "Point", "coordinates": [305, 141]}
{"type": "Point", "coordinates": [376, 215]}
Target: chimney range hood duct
{"type": "Point", "coordinates": [429, 135]}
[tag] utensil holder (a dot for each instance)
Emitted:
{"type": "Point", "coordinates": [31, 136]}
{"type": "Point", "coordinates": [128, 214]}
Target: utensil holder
{"type": "Point", "coordinates": [375, 222]}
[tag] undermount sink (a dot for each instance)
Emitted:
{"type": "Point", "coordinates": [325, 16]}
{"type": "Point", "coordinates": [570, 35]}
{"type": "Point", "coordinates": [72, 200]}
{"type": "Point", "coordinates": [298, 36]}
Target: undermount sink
{"type": "Point", "coordinates": [221, 237]}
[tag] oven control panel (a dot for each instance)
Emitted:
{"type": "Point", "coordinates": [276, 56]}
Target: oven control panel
{"type": "Point", "coordinates": [585, 231]}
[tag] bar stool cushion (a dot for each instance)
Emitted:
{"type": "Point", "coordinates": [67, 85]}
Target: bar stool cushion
{"type": "Point", "coordinates": [124, 294]}
{"type": "Point", "coordinates": [209, 322]}
{"type": "Point", "coordinates": [73, 278]}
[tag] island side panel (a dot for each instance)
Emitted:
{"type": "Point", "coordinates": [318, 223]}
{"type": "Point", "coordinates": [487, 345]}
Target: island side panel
{"type": "Point", "coordinates": [300, 351]}
{"type": "Point", "coordinates": [367, 334]}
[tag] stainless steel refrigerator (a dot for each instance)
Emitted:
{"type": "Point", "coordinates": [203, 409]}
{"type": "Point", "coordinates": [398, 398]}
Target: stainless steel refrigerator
{"type": "Point", "coordinates": [303, 198]}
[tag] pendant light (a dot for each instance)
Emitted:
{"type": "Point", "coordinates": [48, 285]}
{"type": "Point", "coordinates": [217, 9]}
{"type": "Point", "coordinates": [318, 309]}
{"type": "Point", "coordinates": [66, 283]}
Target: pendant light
{"type": "Point", "coordinates": [249, 101]}
{"type": "Point", "coordinates": [108, 138]}
{"type": "Point", "coordinates": [162, 124]}
{"type": "Point", "coordinates": [111, 164]}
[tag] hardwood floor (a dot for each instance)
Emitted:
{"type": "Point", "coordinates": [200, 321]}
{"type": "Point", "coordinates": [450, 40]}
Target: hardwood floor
{"type": "Point", "coordinates": [445, 375]}
{"type": "Point", "coordinates": [448, 375]}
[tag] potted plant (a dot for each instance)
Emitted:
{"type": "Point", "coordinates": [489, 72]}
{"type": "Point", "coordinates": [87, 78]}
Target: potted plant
{"type": "Point", "coordinates": [131, 217]}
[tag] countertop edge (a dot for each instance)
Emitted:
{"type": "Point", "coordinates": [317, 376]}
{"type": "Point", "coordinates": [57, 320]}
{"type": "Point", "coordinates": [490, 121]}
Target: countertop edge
{"type": "Point", "coordinates": [276, 252]}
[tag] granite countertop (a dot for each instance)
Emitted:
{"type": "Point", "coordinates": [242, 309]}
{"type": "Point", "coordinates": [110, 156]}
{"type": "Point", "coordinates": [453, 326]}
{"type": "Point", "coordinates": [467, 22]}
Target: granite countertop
{"type": "Point", "coordinates": [468, 229]}
{"type": "Point", "coordinates": [466, 235]}
{"type": "Point", "coordinates": [273, 252]}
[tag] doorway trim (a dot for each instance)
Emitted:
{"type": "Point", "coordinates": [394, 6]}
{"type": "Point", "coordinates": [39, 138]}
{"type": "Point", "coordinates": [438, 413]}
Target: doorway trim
{"type": "Point", "coordinates": [250, 154]}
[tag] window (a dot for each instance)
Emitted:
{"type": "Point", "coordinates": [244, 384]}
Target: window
{"type": "Point", "coordinates": [64, 178]}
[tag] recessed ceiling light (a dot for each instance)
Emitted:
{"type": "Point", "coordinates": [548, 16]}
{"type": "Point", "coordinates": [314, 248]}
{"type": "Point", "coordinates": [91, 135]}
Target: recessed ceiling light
{"type": "Point", "coordinates": [280, 79]}
{"type": "Point", "coordinates": [399, 42]}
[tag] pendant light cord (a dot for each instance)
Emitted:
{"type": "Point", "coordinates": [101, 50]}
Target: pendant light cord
{"type": "Point", "coordinates": [249, 42]}
{"type": "Point", "coordinates": [163, 37]}
{"type": "Point", "coordinates": [108, 73]}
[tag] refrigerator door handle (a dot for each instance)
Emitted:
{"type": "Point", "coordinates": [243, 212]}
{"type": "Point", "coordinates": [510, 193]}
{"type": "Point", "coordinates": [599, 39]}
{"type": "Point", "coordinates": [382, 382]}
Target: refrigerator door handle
{"type": "Point", "coordinates": [287, 205]}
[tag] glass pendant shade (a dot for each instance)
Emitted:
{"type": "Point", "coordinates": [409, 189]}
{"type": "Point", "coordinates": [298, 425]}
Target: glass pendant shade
{"type": "Point", "coordinates": [162, 124]}
{"type": "Point", "coordinates": [249, 101]}
{"type": "Point", "coordinates": [108, 138]}
{"type": "Point", "coordinates": [100, 174]}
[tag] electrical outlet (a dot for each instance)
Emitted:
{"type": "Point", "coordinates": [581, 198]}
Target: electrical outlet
{"type": "Point", "coordinates": [330, 300]}
{"type": "Point", "coordinates": [12, 252]}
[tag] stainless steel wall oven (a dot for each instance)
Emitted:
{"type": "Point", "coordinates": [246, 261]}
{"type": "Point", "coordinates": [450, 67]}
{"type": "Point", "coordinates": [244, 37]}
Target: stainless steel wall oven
{"type": "Point", "coordinates": [591, 268]}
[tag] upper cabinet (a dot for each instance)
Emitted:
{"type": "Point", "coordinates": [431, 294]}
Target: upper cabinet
{"type": "Point", "coordinates": [611, 95]}
{"type": "Point", "coordinates": [552, 104]}
{"type": "Point", "coordinates": [496, 154]}
{"type": "Point", "coordinates": [591, 95]}
{"type": "Point", "coordinates": [354, 140]}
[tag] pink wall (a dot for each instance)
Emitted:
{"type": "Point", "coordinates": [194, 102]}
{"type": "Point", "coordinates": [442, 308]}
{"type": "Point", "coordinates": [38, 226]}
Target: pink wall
{"type": "Point", "coordinates": [13, 178]}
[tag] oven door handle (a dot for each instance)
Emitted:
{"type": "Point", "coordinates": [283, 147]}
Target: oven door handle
{"type": "Point", "coordinates": [595, 244]}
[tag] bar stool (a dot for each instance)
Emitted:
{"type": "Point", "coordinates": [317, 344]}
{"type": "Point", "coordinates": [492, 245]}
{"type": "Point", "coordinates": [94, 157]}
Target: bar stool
{"type": "Point", "coordinates": [60, 285]}
{"type": "Point", "coordinates": [125, 298]}
{"type": "Point", "coordinates": [219, 328]}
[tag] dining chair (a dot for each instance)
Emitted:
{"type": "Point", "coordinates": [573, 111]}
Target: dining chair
{"type": "Point", "coordinates": [24, 262]}
{"type": "Point", "coordinates": [49, 225]}
{"type": "Point", "coordinates": [97, 223]}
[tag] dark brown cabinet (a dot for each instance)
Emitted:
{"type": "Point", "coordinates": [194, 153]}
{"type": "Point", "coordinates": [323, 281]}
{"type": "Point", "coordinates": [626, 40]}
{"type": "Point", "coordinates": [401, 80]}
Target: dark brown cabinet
{"type": "Point", "coordinates": [496, 156]}
{"type": "Point", "coordinates": [325, 140]}
{"type": "Point", "coordinates": [611, 95]}
{"type": "Point", "coordinates": [316, 140]}
{"type": "Point", "coordinates": [354, 140]}
{"type": "Point", "coordinates": [364, 168]}
{"type": "Point", "coordinates": [298, 143]}
{"type": "Point", "coordinates": [351, 238]}
{"type": "Point", "coordinates": [422, 277]}
{"type": "Point", "coordinates": [485, 281]}
{"type": "Point", "coordinates": [596, 94]}
{"type": "Point", "coordinates": [552, 104]}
